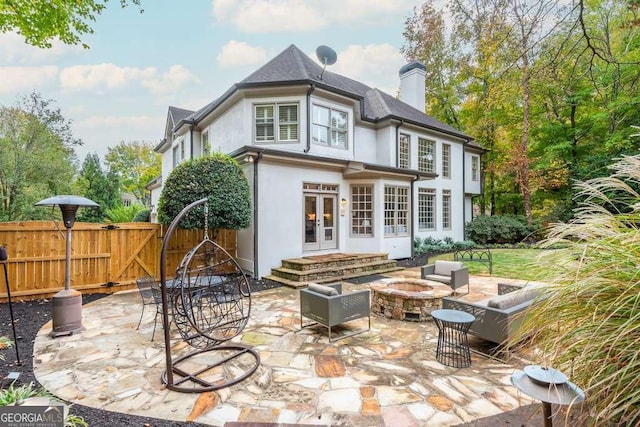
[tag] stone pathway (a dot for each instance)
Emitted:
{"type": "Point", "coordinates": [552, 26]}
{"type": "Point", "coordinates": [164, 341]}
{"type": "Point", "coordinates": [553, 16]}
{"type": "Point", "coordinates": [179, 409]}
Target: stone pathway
{"type": "Point", "coordinates": [387, 376]}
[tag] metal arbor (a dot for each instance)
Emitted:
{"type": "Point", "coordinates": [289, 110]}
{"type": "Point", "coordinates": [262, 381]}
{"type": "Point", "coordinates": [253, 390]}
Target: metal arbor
{"type": "Point", "coordinates": [210, 302]}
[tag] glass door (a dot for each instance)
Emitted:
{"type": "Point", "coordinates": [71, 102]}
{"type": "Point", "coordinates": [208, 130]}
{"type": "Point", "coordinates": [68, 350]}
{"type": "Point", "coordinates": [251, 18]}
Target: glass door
{"type": "Point", "coordinates": [320, 222]}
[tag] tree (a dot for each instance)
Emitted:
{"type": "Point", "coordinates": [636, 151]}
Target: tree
{"type": "Point", "coordinates": [102, 188]}
{"type": "Point", "coordinates": [218, 177]}
{"type": "Point", "coordinates": [136, 164]}
{"type": "Point", "coordinates": [428, 42]}
{"type": "Point", "coordinates": [41, 21]}
{"type": "Point", "coordinates": [36, 156]}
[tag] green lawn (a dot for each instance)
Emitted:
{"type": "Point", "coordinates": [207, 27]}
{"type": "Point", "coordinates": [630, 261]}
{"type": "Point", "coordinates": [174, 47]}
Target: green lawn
{"type": "Point", "coordinates": [512, 263]}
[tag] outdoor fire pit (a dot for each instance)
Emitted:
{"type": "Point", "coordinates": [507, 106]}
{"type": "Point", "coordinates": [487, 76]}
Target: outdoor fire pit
{"type": "Point", "coordinates": [407, 299]}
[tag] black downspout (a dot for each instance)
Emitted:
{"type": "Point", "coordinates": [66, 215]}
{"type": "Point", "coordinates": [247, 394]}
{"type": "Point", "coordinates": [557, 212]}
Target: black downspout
{"type": "Point", "coordinates": [256, 274]}
{"type": "Point", "coordinates": [191, 125]}
{"type": "Point", "coordinates": [309, 92]}
{"type": "Point", "coordinates": [413, 216]}
{"type": "Point", "coordinates": [464, 190]}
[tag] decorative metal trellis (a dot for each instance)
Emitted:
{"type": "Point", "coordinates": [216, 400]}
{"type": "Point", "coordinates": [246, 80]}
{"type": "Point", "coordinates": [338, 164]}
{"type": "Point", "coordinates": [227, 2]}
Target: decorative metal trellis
{"type": "Point", "coordinates": [209, 301]}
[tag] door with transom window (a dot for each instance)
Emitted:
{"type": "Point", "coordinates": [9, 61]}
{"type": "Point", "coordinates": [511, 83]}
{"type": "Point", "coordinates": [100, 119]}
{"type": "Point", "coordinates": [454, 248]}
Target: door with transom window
{"type": "Point", "coordinates": [320, 210]}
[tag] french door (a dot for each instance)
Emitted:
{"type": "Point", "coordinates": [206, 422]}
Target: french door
{"type": "Point", "coordinates": [320, 231]}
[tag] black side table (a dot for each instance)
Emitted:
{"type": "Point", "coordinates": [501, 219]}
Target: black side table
{"type": "Point", "coordinates": [453, 344]}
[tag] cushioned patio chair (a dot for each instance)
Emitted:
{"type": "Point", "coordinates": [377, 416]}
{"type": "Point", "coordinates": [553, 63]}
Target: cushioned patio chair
{"type": "Point", "coordinates": [328, 306]}
{"type": "Point", "coordinates": [453, 273]}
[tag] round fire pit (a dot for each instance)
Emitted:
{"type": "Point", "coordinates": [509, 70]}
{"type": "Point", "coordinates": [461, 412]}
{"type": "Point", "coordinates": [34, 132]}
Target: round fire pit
{"type": "Point", "coordinates": [407, 299]}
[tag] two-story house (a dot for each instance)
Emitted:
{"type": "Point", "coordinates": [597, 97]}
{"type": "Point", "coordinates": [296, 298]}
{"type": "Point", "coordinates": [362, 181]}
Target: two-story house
{"type": "Point", "coordinates": [333, 165]}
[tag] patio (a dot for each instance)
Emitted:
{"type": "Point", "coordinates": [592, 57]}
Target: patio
{"type": "Point", "coordinates": [387, 376]}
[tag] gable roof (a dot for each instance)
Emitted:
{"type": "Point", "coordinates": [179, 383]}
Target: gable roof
{"type": "Point", "coordinates": [179, 114]}
{"type": "Point", "coordinates": [293, 67]}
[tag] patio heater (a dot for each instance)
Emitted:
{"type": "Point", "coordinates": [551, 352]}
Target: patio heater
{"type": "Point", "coordinates": [67, 304]}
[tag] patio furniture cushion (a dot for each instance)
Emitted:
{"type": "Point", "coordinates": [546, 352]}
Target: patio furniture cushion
{"type": "Point", "coordinates": [322, 289]}
{"type": "Point", "coordinates": [444, 268]}
{"type": "Point", "coordinates": [512, 299]}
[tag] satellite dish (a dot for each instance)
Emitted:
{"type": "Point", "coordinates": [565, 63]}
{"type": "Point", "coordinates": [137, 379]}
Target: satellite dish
{"type": "Point", "coordinates": [326, 56]}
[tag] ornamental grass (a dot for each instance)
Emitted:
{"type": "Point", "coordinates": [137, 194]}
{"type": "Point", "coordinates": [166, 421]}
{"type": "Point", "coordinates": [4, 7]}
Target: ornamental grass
{"type": "Point", "coordinates": [589, 325]}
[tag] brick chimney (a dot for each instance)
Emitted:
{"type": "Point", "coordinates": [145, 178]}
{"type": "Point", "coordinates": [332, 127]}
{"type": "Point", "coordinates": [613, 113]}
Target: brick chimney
{"type": "Point", "coordinates": [412, 88]}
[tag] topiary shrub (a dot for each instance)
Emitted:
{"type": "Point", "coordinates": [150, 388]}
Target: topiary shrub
{"type": "Point", "coordinates": [218, 177]}
{"type": "Point", "coordinates": [143, 216]}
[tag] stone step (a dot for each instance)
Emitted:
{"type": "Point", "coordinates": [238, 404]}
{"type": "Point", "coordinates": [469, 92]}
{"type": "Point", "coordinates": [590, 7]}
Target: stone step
{"type": "Point", "coordinates": [295, 279]}
{"type": "Point", "coordinates": [328, 272]}
{"type": "Point", "coordinates": [332, 260]}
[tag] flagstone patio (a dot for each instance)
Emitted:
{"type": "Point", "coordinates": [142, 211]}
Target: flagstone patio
{"type": "Point", "coordinates": [385, 377]}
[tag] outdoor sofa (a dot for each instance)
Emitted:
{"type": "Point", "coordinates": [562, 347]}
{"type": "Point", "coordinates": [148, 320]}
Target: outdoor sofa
{"type": "Point", "coordinates": [498, 317]}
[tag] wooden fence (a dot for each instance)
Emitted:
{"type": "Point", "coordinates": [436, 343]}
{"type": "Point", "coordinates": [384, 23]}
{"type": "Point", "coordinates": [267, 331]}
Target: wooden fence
{"type": "Point", "coordinates": [104, 258]}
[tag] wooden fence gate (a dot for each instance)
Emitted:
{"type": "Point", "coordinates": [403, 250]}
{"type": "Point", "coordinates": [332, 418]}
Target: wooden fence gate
{"type": "Point", "coordinates": [104, 258]}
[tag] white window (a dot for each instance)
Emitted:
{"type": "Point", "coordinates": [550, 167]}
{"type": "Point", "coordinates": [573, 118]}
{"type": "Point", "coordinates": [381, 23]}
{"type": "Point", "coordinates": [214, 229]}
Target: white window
{"type": "Point", "coordinates": [182, 149]}
{"type": "Point", "coordinates": [426, 155]}
{"type": "Point", "coordinates": [446, 209]}
{"type": "Point", "coordinates": [329, 127]}
{"type": "Point", "coordinates": [362, 210]}
{"type": "Point", "coordinates": [475, 168]}
{"type": "Point", "coordinates": [176, 156]}
{"type": "Point", "coordinates": [426, 209]}
{"type": "Point", "coordinates": [396, 211]}
{"type": "Point", "coordinates": [282, 116]}
{"type": "Point", "coordinates": [206, 148]}
{"type": "Point", "coordinates": [404, 148]}
{"type": "Point", "coordinates": [446, 161]}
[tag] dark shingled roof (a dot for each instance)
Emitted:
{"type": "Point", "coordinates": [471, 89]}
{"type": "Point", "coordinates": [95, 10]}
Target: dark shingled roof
{"type": "Point", "coordinates": [179, 114]}
{"type": "Point", "coordinates": [292, 66]}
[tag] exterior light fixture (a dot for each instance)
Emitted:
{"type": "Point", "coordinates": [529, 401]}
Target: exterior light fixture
{"type": "Point", "coordinates": [343, 206]}
{"type": "Point", "coordinates": [67, 304]}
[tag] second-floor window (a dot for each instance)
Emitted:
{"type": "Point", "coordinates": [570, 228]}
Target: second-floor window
{"type": "Point", "coordinates": [329, 127]}
{"type": "Point", "coordinates": [176, 156]}
{"type": "Point", "coordinates": [404, 148]}
{"type": "Point", "coordinates": [206, 148]}
{"type": "Point", "coordinates": [446, 161]}
{"type": "Point", "coordinates": [426, 155]}
{"type": "Point", "coordinates": [475, 168]}
{"type": "Point", "coordinates": [396, 211]}
{"type": "Point", "coordinates": [276, 123]}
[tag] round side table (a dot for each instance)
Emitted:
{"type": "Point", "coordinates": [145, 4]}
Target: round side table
{"type": "Point", "coordinates": [453, 344]}
{"type": "Point", "coordinates": [549, 386]}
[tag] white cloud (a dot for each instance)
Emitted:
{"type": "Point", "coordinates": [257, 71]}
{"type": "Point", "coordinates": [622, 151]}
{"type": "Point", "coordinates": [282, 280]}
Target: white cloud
{"type": "Point", "coordinates": [100, 76]}
{"type": "Point", "coordinates": [14, 50]}
{"type": "Point", "coordinates": [123, 122]}
{"type": "Point", "coordinates": [270, 16]}
{"type": "Point", "coordinates": [240, 54]}
{"type": "Point", "coordinates": [376, 65]}
{"type": "Point", "coordinates": [18, 79]}
{"type": "Point", "coordinates": [170, 81]}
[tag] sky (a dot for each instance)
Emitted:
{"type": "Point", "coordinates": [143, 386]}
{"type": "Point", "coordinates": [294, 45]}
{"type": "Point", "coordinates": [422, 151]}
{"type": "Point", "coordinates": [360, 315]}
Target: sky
{"type": "Point", "coordinates": [187, 53]}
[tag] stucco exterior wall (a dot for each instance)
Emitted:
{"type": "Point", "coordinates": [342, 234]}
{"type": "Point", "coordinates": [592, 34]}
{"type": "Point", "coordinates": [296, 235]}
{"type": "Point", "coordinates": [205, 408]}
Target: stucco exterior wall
{"type": "Point", "coordinates": [281, 211]}
{"type": "Point", "coordinates": [245, 248]}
